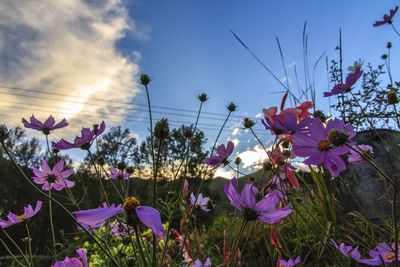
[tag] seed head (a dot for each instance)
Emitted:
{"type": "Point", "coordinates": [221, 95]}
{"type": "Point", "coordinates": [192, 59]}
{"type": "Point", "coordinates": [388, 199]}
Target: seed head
{"type": "Point", "coordinates": [161, 129]}
{"type": "Point", "coordinates": [145, 79]}
{"type": "Point", "coordinates": [202, 97]}
{"type": "Point", "coordinates": [231, 107]}
{"type": "Point", "coordinates": [248, 123]}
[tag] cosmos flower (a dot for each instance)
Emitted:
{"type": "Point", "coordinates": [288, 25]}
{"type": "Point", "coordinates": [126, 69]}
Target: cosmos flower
{"type": "Point", "coordinates": [47, 127]}
{"type": "Point", "coordinates": [289, 262]}
{"type": "Point", "coordinates": [387, 19]}
{"type": "Point", "coordinates": [201, 202]}
{"type": "Point", "coordinates": [359, 152]}
{"type": "Point", "coordinates": [265, 210]}
{"type": "Point", "coordinates": [53, 178]}
{"type": "Point", "coordinates": [324, 144]}
{"type": "Point", "coordinates": [94, 218]}
{"type": "Point", "coordinates": [117, 174]}
{"type": "Point", "coordinates": [198, 263]}
{"type": "Point", "coordinates": [80, 261]}
{"type": "Point", "coordinates": [381, 255]}
{"type": "Point", "coordinates": [84, 141]}
{"type": "Point", "coordinates": [351, 79]}
{"type": "Point", "coordinates": [222, 156]}
{"type": "Point", "coordinates": [15, 219]}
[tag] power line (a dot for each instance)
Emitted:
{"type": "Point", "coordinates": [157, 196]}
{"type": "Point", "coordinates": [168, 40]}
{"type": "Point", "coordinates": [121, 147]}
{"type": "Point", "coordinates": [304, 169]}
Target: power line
{"type": "Point", "coordinates": [115, 102]}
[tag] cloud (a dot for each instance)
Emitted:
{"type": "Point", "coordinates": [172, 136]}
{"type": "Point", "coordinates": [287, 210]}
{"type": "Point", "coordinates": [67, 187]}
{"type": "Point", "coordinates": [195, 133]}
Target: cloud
{"type": "Point", "coordinates": [66, 49]}
{"type": "Point", "coordinates": [221, 172]}
{"type": "Point", "coordinates": [252, 158]}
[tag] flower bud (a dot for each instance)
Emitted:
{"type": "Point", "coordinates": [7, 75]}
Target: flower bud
{"type": "Point", "coordinates": [187, 132]}
{"type": "Point", "coordinates": [384, 56]}
{"type": "Point", "coordinates": [392, 97]}
{"type": "Point", "coordinates": [232, 107]}
{"type": "Point", "coordinates": [286, 153]}
{"type": "Point", "coordinates": [267, 166]}
{"type": "Point", "coordinates": [202, 97]}
{"type": "Point", "coordinates": [121, 165]}
{"type": "Point", "coordinates": [55, 150]}
{"type": "Point", "coordinates": [338, 138]}
{"type": "Point", "coordinates": [285, 144]}
{"type": "Point", "coordinates": [248, 123]}
{"type": "Point", "coordinates": [238, 160]}
{"type": "Point", "coordinates": [318, 114]}
{"type": "Point", "coordinates": [95, 128]}
{"type": "Point", "coordinates": [161, 130]}
{"type": "Point", "coordinates": [144, 79]}
{"type": "Point", "coordinates": [101, 161]}
{"type": "Point", "coordinates": [4, 133]}
{"type": "Point", "coordinates": [130, 169]}
{"type": "Point", "coordinates": [389, 45]}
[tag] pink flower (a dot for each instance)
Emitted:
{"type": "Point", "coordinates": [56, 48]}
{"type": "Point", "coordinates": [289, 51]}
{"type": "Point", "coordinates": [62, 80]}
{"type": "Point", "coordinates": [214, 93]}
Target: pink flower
{"type": "Point", "coordinates": [359, 152]}
{"type": "Point", "coordinates": [46, 127]}
{"type": "Point", "coordinates": [53, 178]}
{"type": "Point", "coordinates": [289, 262]}
{"type": "Point", "coordinates": [324, 144]}
{"type": "Point", "coordinates": [222, 156]}
{"type": "Point", "coordinates": [198, 263]}
{"type": "Point", "coordinates": [201, 202]}
{"type": "Point", "coordinates": [387, 19]}
{"type": "Point", "coordinates": [351, 79]}
{"type": "Point", "coordinates": [117, 174]}
{"type": "Point", "coordinates": [80, 261]}
{"type": "Point", "coordinates": [15, 219]}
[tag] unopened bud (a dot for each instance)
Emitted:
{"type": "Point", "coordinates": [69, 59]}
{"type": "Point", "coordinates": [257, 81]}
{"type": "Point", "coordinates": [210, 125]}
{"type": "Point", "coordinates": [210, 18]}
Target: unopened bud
{"type": "Point", "coordinates": [389, 45]}
{"type": "Point", "coordinates": [384, 56]}
{"type": "Point", "coordinates": [101, 161]}
{"type": "Point", "coordinates": [238, 160]}
{"type": "Point", "coordinates": [202, 97]}
{"type": "Point", "coordinates": [248, 123]}
{"type": "Point", "coordinates": [318, 114]}
{"type": "Point", "coordinates": [130, 170]}
{"type": "Point", "coordinates": [145, 79]}
{"type": "Point", "coordinates": [231, 107]}
{"type": "Point", "coordinates": [392, 97]}
{"type": "Point", "coordinates": [121, 165]}
{"type": "Point", "coordinates": [161, 130]}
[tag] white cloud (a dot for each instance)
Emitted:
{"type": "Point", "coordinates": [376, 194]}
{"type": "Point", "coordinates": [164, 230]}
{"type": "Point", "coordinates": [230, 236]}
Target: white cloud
{"type": "Point", "coordinates": [65, 47]}
{"type": "Point", "coordinates": [253, 157]}
{"type": "Point", "coordinates": [235, 131]}
{"type": "Point", "coordinates": [221, 172]}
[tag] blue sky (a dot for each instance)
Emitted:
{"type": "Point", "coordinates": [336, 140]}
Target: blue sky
{"type": "Point", "coordinates": [93, 51]}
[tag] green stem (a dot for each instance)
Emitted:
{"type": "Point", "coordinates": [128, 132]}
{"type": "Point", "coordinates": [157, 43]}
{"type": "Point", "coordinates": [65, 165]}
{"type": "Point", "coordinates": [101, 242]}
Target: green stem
{"type": "Point", "coordinates": [29, 243]}
{"type": "Point", "coordinates": [52, 224]}
{"type": "Point", "coordinates": [102, 189]}
{"type": "Point", "coordinates": [11, 253]}
{"type": "Point", "coordinates": [16, 245]}
{"type": "Point", "coordinates": [242, 227]}
{"type": "Point", "coordinates": [140, 246]}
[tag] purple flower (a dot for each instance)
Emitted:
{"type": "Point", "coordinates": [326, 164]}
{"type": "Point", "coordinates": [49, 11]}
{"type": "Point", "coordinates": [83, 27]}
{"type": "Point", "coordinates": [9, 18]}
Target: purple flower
{"type": "Point", "coordinates": [222, 155]}
{"type": "Point", "coordinates": [351, 79]}
{"type": "Point", "coordinates": [264, 210]}
{"type": "Point", "coordinates": [117, 174]}
{"type": "Point", "coordinates": [95, 218]}
{"type": "Point", "coordinates": [46, 127]}
{"type": "Point", "coordinates": [359, 152]}
{"type": "Point", "coordinates": [201, 202]}
{"type": "Point", "coordinates": [80, 261]}
{"type": "Point", "coordinates": [387, 19]}
{"type": "Point", "coordinates": [53, 178]}
{"type": "Point", "coordinates": [198, 263]}
{"type": "Point", "coordinates": [354, 253]}
{"type": "Point", "coordinates": [283, 123]}
{"type": "Point", "coordinates": [84, 141]}
{"type": "Point", "coordinates": [289, 262]}
{"type": "Point", "coordinates": [324, 144]}
{"type": "Point", "coordinates": [385, 253]}
{"type": "Point", "coordinates": [14, 219]}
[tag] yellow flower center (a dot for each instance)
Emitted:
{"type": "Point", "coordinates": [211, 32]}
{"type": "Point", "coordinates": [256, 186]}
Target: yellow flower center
{"type": "Point", "coordinates": [21, 217]}
{"type": "Point", "coordinates": [131, 203]}
{"type": "Point", "coordinates": [324, 145]}
{"type": "Point", "coordinates": [390, 256]}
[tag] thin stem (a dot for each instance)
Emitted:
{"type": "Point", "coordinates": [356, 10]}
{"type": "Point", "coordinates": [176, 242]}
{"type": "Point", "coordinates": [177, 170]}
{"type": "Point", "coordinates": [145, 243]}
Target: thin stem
{"type": "Point", "coordinates": [102, 189]}
{"type": "Point", "coordinates": [29, 242]}
{"type": "Point", "coordinates": [395, 30]}
{"type": "Point", "coordinates": [155, 173]}
{"type": "Point", "coordinates": [259, 141]}
{"type": "Point", "coordinates": [397, 115]}
{"type": "Point", "coordinates": [396, 232]}
{"type": "Point", "coordinates": [242, 227]}
{"type": "Point", "coordinates": [140, 246]}
{"type": "Point", "coordinates": [58, 203]}
{"type": "Point", "coordinates": [16, 245]}
{"type": "Point", "coordinates": [11, 253]}
{"type": "Point", "coordinates": [52, 224]}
